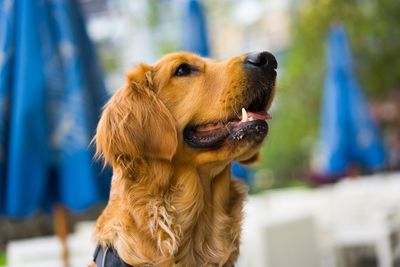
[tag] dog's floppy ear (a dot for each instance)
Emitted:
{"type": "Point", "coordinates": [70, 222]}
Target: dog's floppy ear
{"type": "Point", "coordinates": [135, 123]}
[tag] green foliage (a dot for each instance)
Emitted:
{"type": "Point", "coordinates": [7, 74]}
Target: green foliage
{"type": "Point", "coordinates": [2, 259]}
{"type": "Point", "coordinates": [374, 33]}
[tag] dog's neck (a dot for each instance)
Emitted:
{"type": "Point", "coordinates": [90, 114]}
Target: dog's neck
{"type": "Point", "coordinates": [173, 214]}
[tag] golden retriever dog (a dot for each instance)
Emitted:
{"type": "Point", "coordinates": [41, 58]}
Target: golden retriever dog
{"type": "Point", "coordinates": [170, 134]}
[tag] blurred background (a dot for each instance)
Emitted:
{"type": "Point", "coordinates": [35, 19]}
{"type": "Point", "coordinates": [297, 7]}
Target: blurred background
{"type": "Point", "coordinates": [327, 189]}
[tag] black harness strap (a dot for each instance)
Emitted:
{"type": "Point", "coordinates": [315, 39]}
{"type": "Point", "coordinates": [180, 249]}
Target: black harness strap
{"type": "Point", "coordinates": [108, 257]}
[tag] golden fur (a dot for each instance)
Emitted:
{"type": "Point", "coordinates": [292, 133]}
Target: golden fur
{"type": "Point", "coordinates": [171, 205]}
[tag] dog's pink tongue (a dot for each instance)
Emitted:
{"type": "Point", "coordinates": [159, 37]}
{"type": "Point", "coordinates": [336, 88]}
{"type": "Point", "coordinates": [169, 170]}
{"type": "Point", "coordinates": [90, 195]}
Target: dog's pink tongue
{"type": "Point", "coordinates": [210, 127]}
{"type": "Point", "coordinates": [259, 115]}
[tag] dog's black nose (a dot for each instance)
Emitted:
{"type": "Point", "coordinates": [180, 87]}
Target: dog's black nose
{"type": "Point", "coordinates": [261, 60]}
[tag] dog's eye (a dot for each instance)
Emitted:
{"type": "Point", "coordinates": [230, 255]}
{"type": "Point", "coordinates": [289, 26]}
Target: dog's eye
{"type": "Point", "coordinates": [183, 69]}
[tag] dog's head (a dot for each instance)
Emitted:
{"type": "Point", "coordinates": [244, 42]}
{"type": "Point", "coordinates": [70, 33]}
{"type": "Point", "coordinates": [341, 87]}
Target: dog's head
{"type": "Point", "coordinates": [191, 109]}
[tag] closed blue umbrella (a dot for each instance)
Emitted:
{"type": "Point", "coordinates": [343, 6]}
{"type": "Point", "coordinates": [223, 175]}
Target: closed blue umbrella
{"type": "Point", "coordinates": [349, 136]}
{"type": "Point", "coordinates": [195, 37]}
{"type": "Point", "coordinates": [51, 94]}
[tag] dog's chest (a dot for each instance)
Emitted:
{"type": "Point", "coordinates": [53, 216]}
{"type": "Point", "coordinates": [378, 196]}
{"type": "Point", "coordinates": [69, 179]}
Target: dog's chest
{"type": "Point", "coordinates": [214, 239]}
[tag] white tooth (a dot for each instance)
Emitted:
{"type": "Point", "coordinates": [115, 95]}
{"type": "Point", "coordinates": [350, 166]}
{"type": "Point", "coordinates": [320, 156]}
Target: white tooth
{"type": "Point", "coordinates": [244, 115]}
{"type": "Point", "coordinates": [251, 118]}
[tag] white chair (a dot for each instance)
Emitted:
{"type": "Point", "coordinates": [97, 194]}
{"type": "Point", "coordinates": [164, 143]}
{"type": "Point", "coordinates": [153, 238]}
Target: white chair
{"type": "Point", "coordinates": [361, 217]}
{"type": "Point", "coordinates": [277, 236]}
{"type": "Point", "coordinates": [46, 251]}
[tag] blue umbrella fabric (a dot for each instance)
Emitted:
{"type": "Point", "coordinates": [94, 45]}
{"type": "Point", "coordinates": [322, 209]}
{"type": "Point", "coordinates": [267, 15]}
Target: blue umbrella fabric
{"type": "Point", "coordinates": [348, 135]}
{"type": "Point", "coordinates": [195, 37]}
{"type": "Point", "coordinates": [51, 94]}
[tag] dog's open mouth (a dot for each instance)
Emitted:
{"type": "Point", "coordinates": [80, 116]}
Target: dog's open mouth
{"type": "Point", "coordinates": [251, 124]}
